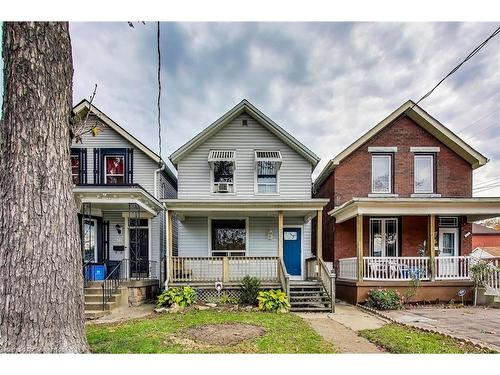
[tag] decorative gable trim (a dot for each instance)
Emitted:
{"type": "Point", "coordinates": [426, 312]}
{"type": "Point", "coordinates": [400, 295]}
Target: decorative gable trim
{"type": "Point", "coordinates": [251, 110]}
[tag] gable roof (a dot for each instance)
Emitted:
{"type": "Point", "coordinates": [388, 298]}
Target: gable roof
{"type": "Point", "coordinates": [266, 122]}
{"type": "Point", "coordinates": [84, 105]}
{"type": "Point", "coordinates": [426, 121]}
{"type": "Point", "coordinates": [483, 229]}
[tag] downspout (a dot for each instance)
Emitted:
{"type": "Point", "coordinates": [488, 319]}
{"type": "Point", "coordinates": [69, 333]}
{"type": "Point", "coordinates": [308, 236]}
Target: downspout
{"type": "Point", "coordinates": [162, 168]}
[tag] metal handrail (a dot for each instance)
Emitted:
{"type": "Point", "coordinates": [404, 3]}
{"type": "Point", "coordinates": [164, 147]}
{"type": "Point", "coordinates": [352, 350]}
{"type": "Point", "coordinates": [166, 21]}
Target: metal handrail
{"type": "Point", "coordinates": [85, 278]}
{"type": "Point", "coordinates": [110, 284]}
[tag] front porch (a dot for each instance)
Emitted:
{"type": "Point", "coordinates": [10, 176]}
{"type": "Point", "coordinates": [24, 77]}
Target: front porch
{"type": "Point", "coordinates": [396, 242]}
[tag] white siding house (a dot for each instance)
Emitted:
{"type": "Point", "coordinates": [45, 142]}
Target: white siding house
{"type": "Point", "coordinates": [114, 177]}
{"type": "Point", "coordinates": [244, 202]}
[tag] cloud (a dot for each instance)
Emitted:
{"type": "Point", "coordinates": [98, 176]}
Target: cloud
{"type": "Point", "coordinates": [326, 83]}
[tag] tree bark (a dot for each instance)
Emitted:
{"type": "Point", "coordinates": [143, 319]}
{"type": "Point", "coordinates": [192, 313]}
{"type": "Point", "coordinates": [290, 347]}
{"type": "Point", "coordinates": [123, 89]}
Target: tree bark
{"type": "Point", "coordinates": [41, 281]}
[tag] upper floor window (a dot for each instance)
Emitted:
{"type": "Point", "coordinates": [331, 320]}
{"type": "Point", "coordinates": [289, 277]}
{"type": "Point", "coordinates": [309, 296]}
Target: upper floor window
{"type": "Point", "coordinates": [268, 164]}
{"type": "Point", "coordinates": [114, 172]}
{"type": "Point", "coordinates": [424, 173]}
{"type": "Point", "coordinates": [223, 164]}
{"type": "Point", "coordinates": [78, 166]}
{"type": "Point", "coordinates": [382, 173]}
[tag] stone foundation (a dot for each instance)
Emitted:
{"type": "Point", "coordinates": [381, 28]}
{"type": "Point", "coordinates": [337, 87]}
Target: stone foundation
{"type": "Point", "coordinates": [141, 291]}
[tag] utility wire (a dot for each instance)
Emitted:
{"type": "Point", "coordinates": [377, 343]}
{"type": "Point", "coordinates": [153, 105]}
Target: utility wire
{"type": "Point", "coordinates": [159, 90]}
{"type": "Point", "coordinates": [469, 56]}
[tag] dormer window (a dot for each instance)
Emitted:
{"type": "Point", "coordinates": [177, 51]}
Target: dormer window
{"type": "Point", "coordinates": [267, 166]}
{"type": "Point", "coordinates": [223, 165]}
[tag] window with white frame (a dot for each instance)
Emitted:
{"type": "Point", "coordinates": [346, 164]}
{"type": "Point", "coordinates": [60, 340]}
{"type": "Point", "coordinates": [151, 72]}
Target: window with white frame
{"type": "Point", "coordinates": [382, 173]}
{"type": "Point", "coordinates": [424, 173]}
{"type": "Point", "coordinates": [228, 237]}
{"type": "Point", "coordinates": [114, 172]}
{"type": "Point", "coordinates": [267, 166]}
{"type": "Point", "coordinates": [383, 237]}
{"type": "Point", "coordinates": [222, 164]}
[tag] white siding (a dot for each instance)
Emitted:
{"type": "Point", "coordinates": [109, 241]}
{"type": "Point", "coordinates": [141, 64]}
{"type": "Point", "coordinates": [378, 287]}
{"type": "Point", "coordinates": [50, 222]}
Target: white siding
{"type": "Point", "coordinates": [144, 166]}
{"type": "Point", "coordinates": [115, 238]}
{"type": "Point", "coordinates": [194, 170]}
{"type": "Point", "coordinates": [193, 236]}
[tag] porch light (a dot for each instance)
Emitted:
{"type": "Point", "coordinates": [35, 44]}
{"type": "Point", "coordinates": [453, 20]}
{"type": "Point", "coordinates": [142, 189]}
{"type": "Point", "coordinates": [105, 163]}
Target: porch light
{"type": "Point", "coordinates": [118, 228]}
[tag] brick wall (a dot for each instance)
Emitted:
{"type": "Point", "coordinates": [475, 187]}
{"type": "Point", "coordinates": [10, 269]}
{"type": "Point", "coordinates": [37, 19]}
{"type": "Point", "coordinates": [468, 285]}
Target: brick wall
{"type": "Point", "coordinates": [353, 175]}
{"type": "Point", "coordinates": [479, 240]}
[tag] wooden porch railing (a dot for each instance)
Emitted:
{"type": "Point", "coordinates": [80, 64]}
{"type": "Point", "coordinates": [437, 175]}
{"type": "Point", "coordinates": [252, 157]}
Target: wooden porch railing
{"type": "Point", "coordinates": [284, 277]}
{"type": "Point", "coordinates": [395, 268]}
{"type": "Point", "coordinates": [226, 269]}
{"type": "Point", "coordinates": [328, 280]}
{"type": "Point", "coordinates": [452, 268]}
{"type": "Point", "coordinates": [347, 268]}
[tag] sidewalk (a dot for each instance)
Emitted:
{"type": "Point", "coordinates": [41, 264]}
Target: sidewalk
{"type": "Point", "coordinates": [341, 328]}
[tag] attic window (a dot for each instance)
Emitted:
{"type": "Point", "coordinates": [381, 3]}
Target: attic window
{"type": "Point", "coordinates": [244, 122]}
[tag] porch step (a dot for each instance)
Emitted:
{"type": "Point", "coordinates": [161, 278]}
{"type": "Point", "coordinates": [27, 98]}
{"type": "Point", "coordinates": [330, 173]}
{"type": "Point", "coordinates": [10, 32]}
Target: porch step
{"type": "Point", "coordinates": [98, 297]}
{"type": "Point", "coordinates": [94, 308]}
{"type": "Point", "coordinates": [98, 306]}
{"type": "Point", "coordinates": [309, 296]}
{"type": "Point", "coordinates": [493, 300]}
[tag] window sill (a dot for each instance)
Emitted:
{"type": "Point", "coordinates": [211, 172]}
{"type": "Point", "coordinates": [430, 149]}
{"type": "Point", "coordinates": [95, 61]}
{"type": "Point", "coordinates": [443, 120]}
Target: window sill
{"type": "Point", "coordinates": [425, 195]}
{"type": "Point", "coordinates": [383, 195]}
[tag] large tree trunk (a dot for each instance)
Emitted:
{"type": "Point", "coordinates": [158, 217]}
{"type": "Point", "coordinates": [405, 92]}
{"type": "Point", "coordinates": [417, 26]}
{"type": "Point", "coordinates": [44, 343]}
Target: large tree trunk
{"type": "Point", "coordinates": [41, 282]}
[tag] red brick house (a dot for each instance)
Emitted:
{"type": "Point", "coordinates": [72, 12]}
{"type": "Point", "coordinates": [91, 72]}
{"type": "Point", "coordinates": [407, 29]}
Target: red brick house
{"type": "Point", "coordinates": [483, 236]}
{"type": "Point", "coordinates": [403, 185]}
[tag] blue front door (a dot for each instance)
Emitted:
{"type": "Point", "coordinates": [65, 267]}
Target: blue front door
{"type": "Point", "coordinates": [292, 250]}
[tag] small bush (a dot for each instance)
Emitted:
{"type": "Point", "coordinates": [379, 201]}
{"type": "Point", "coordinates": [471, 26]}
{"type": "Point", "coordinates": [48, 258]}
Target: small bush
{"type": "Point", "coordinates": [226, 299]}
{"type": "Point", "coordinates": [183, 297]}
{"type": "Point", "coordinates": [250, 287]}
{"type": "Point", "coordinates": [384, 299]}
{"type": "Point", "coordinates": [273, 300]}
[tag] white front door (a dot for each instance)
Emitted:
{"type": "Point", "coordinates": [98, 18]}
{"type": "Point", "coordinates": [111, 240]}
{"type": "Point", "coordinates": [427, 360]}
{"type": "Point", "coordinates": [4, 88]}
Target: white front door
{"type": "Point", "coordinates": [448, 247]}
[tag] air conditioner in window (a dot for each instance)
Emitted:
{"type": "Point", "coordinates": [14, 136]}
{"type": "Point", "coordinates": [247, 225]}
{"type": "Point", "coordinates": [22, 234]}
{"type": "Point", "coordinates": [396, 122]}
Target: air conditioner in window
{"type": "Point", "coordinates": [222, 187]}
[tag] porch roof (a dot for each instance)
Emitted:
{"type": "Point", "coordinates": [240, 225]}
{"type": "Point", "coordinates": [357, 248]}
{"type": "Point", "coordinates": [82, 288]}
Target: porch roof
{"type": "Point", "coordinates": [116, 198]}
{"type": "Point", "coordinates": [306, 208]}
{"type": "Point", "coordinates": [474, 208]}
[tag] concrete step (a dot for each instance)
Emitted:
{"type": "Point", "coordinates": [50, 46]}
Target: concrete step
{"type": "Point", "coordinates": [98, 298]}
{"type": "Point", "coordinates": [98, 306]}
{"type": "Point", "coordinates": [88, 291]}
{"type": "Point", "coordinates": [95, 314]}
{"type": "Point", "coordinates": [94, 284]}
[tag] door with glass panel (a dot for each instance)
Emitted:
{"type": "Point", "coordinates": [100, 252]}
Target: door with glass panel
{"type": "Point", "coordinates": [383, 243]}
{"type": "Point", "coordinates": [448, 248]}
{"type": "Point", "coordinates": [89, 236]}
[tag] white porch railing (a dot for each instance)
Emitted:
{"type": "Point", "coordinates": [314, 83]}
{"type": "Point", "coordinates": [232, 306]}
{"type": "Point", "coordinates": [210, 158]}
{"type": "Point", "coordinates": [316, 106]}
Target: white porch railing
{"type": "Point", "coordinates": [492, 282]}
{"type": "Point", "coordinates": [395, 268]}
{"type": "Point", "coordinates": [452, 268]}
{"type": "Point", "coordinates": [348, 268]}
{"type": "Point", "coordinates": [227, 269]}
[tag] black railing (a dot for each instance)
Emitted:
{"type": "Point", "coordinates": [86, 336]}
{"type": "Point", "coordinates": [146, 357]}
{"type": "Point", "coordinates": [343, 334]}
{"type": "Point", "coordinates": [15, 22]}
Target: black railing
{"type": "Point", "coordinates": [141, 269]}
{"type": "Point", "coordinates": [111, 283]}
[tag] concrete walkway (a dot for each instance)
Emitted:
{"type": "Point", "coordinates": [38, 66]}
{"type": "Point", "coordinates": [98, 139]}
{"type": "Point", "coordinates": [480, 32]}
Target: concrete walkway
{"type": "Point", "coordinates": [478, 324]}
{"type": "Point", "coordinates": [341, 328]}
{"type": "Point", "coordinates": [123, 314]}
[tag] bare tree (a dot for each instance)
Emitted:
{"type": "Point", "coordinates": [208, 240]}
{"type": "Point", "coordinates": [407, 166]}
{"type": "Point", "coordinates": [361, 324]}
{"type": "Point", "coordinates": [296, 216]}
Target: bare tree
{"type": "Point", "coordinates": [41, 283]}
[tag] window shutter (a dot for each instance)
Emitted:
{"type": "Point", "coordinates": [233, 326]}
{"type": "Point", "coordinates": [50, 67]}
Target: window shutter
{"type": "Point", "coordinates": [130, 166]}
{"type": "Point", "coordinates": [83, 165]}
{"type": "Point", "coordinates": [97, 166]}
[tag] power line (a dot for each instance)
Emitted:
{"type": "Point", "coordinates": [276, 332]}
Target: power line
{"type": "Point", "coordinates": [489, 187]}
{"type": "Point", "coordinates": [159, 89]}
{"type": "Point", "coordinates": [488, 181]}
{"type": "Point", "coordinates": [480, 119]}
{"type": "Point", "coordinates": [469, 56]}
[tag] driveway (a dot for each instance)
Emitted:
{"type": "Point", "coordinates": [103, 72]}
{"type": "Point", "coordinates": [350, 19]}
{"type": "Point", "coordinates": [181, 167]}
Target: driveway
{"type": "Point", "coordinates": [478, 324]}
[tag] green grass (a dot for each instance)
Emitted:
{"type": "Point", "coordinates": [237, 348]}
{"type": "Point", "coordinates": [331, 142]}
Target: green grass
{"type": "Point", "coordinates": [397, 338]}
{"type": "Point", "coordinates": [285, 333]}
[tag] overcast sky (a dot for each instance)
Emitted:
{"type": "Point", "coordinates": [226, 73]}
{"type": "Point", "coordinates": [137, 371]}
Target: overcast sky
{"type": "Point", "coordinates": [325, 83]}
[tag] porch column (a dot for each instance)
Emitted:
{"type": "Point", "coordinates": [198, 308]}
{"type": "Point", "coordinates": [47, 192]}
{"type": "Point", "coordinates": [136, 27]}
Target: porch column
{"type": "Point", "coordinates": [170, 242]}
{"type": "Point", "coordinates": [359, 246]}
{"type": "Point", "coordinates": [319, 235]}
{"type": "Point", "coordinates": [431, 233]}
{"type": "Point", "coordinates": [280, 234]}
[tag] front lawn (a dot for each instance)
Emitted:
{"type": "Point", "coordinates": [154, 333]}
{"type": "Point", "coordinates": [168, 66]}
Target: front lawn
{"type": "Point", "coordinates": [284, 333]}
{"type": "Point", "coordinates": [397, 338]}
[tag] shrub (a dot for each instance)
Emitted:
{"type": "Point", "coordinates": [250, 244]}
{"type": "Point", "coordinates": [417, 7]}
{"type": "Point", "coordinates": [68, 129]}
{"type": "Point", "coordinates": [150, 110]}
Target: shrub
{"type": "Point", "coordinates": [384, 299]}
{"type": "Point", "coordinates": [226, 299]}
{"type": "Point", "coordinates": [250, 287]}
{"type": "Point", "coordinates": [273, 300]}
{"type": "Point", "coordinates": [181, 296]}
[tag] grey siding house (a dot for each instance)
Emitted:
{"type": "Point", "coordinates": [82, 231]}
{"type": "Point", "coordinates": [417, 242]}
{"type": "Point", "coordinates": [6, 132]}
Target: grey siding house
{"type": "Point", "coordinates": [244, 204]}
{"type": "Point", "coordinates": [118, 185]}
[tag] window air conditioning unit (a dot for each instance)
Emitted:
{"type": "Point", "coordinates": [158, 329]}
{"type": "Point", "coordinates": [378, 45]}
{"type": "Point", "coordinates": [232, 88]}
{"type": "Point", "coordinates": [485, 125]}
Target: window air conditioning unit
{"type": "Point", "coordinates": [222, 187]}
